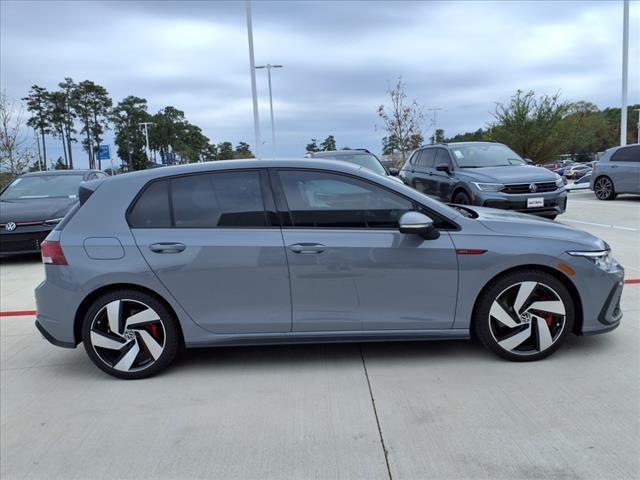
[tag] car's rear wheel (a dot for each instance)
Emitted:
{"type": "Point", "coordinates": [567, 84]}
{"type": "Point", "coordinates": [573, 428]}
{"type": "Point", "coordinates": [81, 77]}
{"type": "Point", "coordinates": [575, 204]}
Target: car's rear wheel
{"type": "Point", "coordinates": [604, 189]}
{"type": "Point", "coordinates": [461, 198]}
{"type": "Point", "coordinates": [130, 334]}
{"type": "Point", "coordinates": [524, 315]}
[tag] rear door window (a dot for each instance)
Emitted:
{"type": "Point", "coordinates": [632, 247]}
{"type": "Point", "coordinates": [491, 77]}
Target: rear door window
{"type": "Point", "coordinates": [627, 154]}
{"type": "Point", "coordinates": [224, 199]}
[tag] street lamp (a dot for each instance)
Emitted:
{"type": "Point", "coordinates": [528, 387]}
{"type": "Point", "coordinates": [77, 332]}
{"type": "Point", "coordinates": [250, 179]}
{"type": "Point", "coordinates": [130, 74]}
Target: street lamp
{"type": "Point", "coordinates": [254, 94]}
{"type": "Point", "coordinates": [268, 66]}
{"type": "Point", "coordinates": [625, 72]}
{"type": "Point", "coordinates": [146, 137]}
{"type": "Point", "coordinates": [434, 121]}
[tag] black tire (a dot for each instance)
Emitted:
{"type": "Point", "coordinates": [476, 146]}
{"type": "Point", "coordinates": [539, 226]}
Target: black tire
{"type": "Point", "coordinates": [604, 189]}
{"type": "Point", "coordinates": [461, 198]}
{"type": "Point", "coordinates": [485, 325]}
{"type": "Point", "coordinates": [163, 331]}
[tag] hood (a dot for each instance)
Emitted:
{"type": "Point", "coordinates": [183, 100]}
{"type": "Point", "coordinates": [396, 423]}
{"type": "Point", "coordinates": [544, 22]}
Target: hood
{"type": "Point", "coordinates": [525, 224]}
{"type": "Point", "coordinates": [34, 209]}
{"type": "Point", "coordinates": [512, 174]}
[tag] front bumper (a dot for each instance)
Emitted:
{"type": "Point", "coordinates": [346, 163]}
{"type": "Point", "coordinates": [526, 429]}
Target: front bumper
{"type": "Point", "coordinates": [23, 239]}
{"type": "Point", "coordinates": [600, 294]}
{"type": "Point", "coordinates": [555, 203]}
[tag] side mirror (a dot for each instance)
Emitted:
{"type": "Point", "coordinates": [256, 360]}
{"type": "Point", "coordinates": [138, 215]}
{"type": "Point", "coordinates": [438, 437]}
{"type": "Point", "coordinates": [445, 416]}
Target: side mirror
{"type": "Point", "coordinates": [443, 167]}
{"type": "Point", "coordinates": [394, 172]}
{"type": "Point", "coordinates": [418, 224]}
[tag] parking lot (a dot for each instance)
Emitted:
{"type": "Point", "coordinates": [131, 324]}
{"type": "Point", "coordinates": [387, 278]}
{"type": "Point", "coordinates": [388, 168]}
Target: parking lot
{"type": "Point", "coordinates": [436, 410]}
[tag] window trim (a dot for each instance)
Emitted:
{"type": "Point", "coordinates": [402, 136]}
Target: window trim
{"type": "Point", "coordinates": [287, 220]}
{"type": "Point", "coordinates": [267, 192]}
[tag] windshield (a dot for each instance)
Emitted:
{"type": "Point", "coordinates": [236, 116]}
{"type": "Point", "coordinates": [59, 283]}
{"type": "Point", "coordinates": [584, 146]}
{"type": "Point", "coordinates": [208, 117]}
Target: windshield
{"type": "Point", "coordinates": [367, 161]}
{"type": "Point", "coordinates": [486, 155]}
{"type": "Point", "coordinates": [44, 186]}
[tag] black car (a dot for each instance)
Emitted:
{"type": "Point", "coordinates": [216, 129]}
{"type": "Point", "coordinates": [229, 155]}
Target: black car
{"type": "Point", "coordinates": [32, 205]}
{"type": "Point", "coordinates": [485, 174]}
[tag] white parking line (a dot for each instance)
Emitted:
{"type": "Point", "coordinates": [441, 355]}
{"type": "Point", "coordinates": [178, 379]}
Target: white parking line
{"type": "Point", "coordinates": [619, 227]}
{"type": "Point", "coordinates": [596, 201]}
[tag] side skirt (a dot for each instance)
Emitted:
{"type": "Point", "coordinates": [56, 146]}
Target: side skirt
{"type": "Point", "coordinates": [213, 340]}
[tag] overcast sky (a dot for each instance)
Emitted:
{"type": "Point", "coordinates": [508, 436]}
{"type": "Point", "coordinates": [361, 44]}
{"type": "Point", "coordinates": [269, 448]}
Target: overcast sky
{"type": "Point", "coordinates": [338, 58]}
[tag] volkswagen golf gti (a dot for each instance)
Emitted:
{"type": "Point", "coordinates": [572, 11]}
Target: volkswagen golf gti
{"type": "Point", "coordinates": [273, 252]}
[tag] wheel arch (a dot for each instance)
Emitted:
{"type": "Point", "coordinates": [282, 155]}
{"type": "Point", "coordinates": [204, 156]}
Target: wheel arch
{"type": "Point", "coordinates": [559, 275]}
{"type": "Point", "coordinates": [92, 296]}
{"type": "Point", "coordinates": [460, 187]}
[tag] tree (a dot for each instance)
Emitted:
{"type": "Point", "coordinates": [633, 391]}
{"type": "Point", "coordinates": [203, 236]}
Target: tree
{"type": "Point", "coordinates": [59, 165]}
{"type": "Point", "coordinates": [92, 104]}
{"type": "Point", "coordinates": [68, 115]}
{"type": "Point", "coordinates": [530, 125]}
{"type": "Point", "coordinates": [243, 150]}
{"type": "Point", "coordinates": [312, 146]}
{"type": "Point", "coordinates": [582, 128]}
{"type": "Point", "coordinates": [329, 144]}
{"type": "Point", "coordinates": [38, 105]}
{"type": "Point", "coordinates": [225, 151]}
{"type": "Point", "coordinates": [15, 151]}
{"type": "Point", "coordinates": [402, 121]}
{"type": "Point", "coordinates": [57, 115]}
{"type": "Point", "coordinates": [477, 136]}
{"type": "Point", "coordinates": [126, 117]}
{"type": "Point", "coordinates": [438, 136]}
{"type": "Point", "coordinates": [163, 137]}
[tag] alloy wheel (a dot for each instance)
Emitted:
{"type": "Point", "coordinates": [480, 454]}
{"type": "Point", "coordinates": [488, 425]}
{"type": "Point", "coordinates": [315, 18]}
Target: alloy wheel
{"type": "Point", "coordinates": [603, 188]}
{"type": "Point", "coordinates": [527, 318]}
{"type": "Point", "coordinates": [127, 335]}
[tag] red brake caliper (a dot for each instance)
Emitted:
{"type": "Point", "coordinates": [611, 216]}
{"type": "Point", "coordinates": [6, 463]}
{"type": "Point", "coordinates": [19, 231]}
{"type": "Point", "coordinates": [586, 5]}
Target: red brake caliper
{"type": "Point", "coordinates": [155, 333]}
{"type": "Point", "coordinates": [548, 320]}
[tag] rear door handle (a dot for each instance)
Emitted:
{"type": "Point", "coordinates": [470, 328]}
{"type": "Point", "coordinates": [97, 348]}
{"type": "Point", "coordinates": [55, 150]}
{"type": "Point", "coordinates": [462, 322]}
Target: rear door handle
{"type": "Point", "coordinates": [307, 248]}
{"type": "Point", "coordinates": [167, 247]}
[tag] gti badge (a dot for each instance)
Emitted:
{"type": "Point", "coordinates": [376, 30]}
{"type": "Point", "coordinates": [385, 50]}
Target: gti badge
{"type": "Point", "coordinates": [533, 187]}
{"type": "Point", "coordinates": [10, 226]}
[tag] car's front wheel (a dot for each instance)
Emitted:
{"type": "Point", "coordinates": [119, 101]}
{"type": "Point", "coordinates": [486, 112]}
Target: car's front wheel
{"type": "Point", "coordinates": [524, 315]}
{"type": "Point", "coordinates": [604, 189]}
{"type": "Point", "coordinates": [461, 198]}
{"type": "Point", "coordinates": [130, 334]}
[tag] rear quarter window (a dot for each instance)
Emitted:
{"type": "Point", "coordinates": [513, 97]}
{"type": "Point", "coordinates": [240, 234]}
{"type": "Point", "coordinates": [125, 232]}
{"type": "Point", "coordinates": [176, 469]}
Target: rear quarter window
{"type": "Point", "coordinates": [151, 209]}
{"type": "Point", "coordinates": [626, 154]}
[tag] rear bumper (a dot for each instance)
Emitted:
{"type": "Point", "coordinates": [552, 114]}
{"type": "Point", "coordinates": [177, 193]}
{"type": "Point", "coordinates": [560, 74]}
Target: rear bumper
{"type": "Point", "coordinates": [51, 339]}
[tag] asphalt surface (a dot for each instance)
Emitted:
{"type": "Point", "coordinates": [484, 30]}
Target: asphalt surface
{"type": "Point", "coordinates": [436, 410]}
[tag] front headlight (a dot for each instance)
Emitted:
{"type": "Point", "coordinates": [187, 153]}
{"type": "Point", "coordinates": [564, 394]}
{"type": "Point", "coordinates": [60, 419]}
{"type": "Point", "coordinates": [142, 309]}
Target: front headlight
{"type": "Point", "coordinates": [489, 187]}
{"type": "Point", "coordinates": [53, 221]}
{"type": "Point", "coordinates": [559, 181]}
{"type": "Point", "coordinates": [602, 259]}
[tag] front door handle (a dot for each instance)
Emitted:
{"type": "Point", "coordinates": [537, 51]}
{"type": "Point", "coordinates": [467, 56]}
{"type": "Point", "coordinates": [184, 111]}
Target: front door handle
{"type": "Point", "coordinates": [167, 247]}
{"type": "Point", "coordinates": [307, 248]}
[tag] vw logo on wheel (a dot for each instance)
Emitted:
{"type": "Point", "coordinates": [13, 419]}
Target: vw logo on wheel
{"type": "Point", "coordinates": [10, 226]}
{"type": "Point", "coordinates": [533, 187]}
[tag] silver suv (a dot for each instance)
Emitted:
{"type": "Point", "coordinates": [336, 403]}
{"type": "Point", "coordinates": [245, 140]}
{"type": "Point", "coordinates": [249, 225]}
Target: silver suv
{"type": "Point", "coordinates": [618, 171]}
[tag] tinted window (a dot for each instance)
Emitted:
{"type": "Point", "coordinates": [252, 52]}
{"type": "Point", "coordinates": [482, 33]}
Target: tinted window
{"type": "Point", "coordinates": [226, 199]}
{"type": "Point", "coordinates": [151, 210]}
{"type": "Point", "coordinates": [442, 157]}
{"type": "Point", "coordinates": [627, 154]}
{"type": "Point", "coordinates": [327, 200]}
{"type": "Point", "coordinates": [427, 158]}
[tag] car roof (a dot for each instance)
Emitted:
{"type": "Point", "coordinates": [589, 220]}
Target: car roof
{"type": "Point", "coordinates": [338, 153]}
{"type": "Point", "coordinates": [221, 165]}
{"type": "Point", "coordinates": [459, 144]}
{"type": "Point", "coordinates": [60, 172]}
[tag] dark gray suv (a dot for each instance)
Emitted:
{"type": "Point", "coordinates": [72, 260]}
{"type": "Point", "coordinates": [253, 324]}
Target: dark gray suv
{"type": "Point", "coordinates": [486, 174]}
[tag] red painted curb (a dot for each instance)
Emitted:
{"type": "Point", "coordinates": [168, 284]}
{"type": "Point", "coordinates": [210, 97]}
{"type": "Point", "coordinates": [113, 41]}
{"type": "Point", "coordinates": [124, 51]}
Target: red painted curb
{"type": "Point", "coordinates": [18, 313]}
{"type": "Point", "coordinates": [32, 313]}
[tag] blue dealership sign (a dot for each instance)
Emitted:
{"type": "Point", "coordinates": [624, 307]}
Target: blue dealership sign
{"type": "Point", "coordinates": [104, 153]}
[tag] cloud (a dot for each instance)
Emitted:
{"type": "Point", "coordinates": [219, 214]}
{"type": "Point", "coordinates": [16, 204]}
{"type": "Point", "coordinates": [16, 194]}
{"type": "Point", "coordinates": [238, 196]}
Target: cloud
{"type": "Point", "coordinates": [338, 57]}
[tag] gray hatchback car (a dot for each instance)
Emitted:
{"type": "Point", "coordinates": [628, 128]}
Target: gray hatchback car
{"type": "Point", "coordinates": [267, 252]}
{"type": "Point", "coordinates": [486, 174]}
{"type": "Point", "coordinates": [618, 171]}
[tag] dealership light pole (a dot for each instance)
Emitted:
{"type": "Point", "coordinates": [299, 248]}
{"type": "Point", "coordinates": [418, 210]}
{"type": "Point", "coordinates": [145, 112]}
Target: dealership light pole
{"type": "Point", "coordinates": [146, 137]}
{"type": "Point", "coordinates": [638, 137]}
{"type": "Point", "coordinates": [268, 66]}
{"type": "Point", "coordinates": [625, 72]}
{"type": "Point", "coordinates": [434, 121]}
{"type": "Point", "coordinates": [252, 64]}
